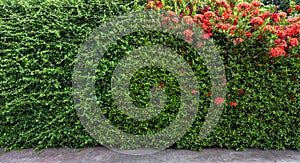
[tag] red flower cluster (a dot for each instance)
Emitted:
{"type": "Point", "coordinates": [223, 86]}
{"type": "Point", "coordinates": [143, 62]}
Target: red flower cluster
{"type": "Point", "coordinates": [154, 4]}
{"type": "Point", "coordinates": [269, 28]}
{"type": "Point", "coordinates": [204, 21]}
{"type": "Point", "coordinates": [223, 26]}
{"type": "Point", "coordinates": [219, 100]}
{"type": "Point", "coordinates": [257, 20]}
{"type": "Point", "coordinates": [194, 91]}
{"type": "Point", "coordinates": [233, 103]}
{"type": "Point", "coordinates": [240, 91]}
{"type": "Point", "coordinates": [278, 16]}
{"type": "Point", "coordinates": [296, 8]}
{"type": "Point", "coordinates": [188, 35]}
{"type": "Point", "coordinates": [223, 3]}
{"type": "Point", "coordinates": [264, 15]}
{"type": "Point", "coordinates": [288, 38]}
{"type": "Point", "coordinates": [244, 6]}
{"type": "Point", "coordinates": [200, 44]}
{"type": "Point", "coordinates": [238, 40]}
{"type": "Point", "coordinates": [188, 20]}
{"type": "Point", "coordinates": [219, 16]}
{"type": "Point", "coordinates": [293, 29]}
{"type": "Point", "coordinates": [256, 3]}
{"type": "Point", "coordinates": [277, 52]}
{"type": "Point", "coordinates": [294, 41]}
{"type": "Point", "coordinates": [209, 93]}
{"type": "Point", "coordinates": [206, 35]}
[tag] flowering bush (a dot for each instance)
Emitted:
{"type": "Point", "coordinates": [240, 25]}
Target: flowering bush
{"type": "Point", "coordinates": [237, 27]}
{"type": "Point", "coordinates": [260, 50]}
{"type": "Point", "coordinates": [240, 22]}
{"type": "Point", "coordinates": [37, 108]}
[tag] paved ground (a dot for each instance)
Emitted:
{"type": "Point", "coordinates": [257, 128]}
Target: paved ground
{"type": "Point", "coordinates": [100, 154]}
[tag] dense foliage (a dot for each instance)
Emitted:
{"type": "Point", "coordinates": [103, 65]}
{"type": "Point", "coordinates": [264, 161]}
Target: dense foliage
{"type": "Point", "coordinates": [40, 39]}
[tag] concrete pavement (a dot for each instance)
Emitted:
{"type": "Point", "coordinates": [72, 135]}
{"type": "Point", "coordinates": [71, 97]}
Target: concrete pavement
{"type": "Point", "coordinates": [101, 154]}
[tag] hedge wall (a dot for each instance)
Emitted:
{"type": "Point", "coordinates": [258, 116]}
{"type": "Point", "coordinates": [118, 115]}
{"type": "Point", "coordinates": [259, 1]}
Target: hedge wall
{"type": "Point", "coordinates": [39, 43]}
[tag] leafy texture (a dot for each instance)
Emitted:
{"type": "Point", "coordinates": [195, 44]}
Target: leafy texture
{"type": "Point", "coordinates": [39, 42]}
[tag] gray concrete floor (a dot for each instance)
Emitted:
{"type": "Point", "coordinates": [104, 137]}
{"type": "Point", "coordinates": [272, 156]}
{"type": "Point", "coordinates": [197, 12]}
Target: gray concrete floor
{"type": "Point", "coordinates": [100, 154]}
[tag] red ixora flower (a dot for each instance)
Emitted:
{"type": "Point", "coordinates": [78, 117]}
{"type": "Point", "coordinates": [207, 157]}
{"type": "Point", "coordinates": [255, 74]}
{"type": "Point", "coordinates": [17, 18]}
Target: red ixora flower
{"type": "Point", "coordinates": [260, 37]}
{"type": "Point", "coordinates": [269, 28]}
{"type": "Point", "coordinates": [209, 14]}
{"type": "Point", "coordinates": [188, 19]}
{"type": "Point", "coordinates": [219, 100]}
{"type": "Point", "coordinates": [240, 91]}
{"type": "Point", "coordinates": [277, 52]}
{"type": "Point", "coordinates": [188, 33]}
{"type": "Point", "coordinates": [245, 6]}
{"type": "Point", "coordinates": [171, 13]}
{"type": "Point", "coordinates": [209, 93]}
{"type": "Point", "coordinates": [255, 11]}
{"type": "Point", "coordinates": [227, 15]}
{"type": "Point", "coordinates": [159, 5]}
{"type": "Point", "coordinates": [166, 19]}
{"type": "Point", "coordinates": [223, 3]}
{"type": "Point", "coordinates": [223, 26]}
{"type": "Point", "coordinates": [275, 17]}
{"type": "Point", "coordinates": [207, 35]}
{"type": "Point", "coordinates": [282, 14]}
{"type": "Point", "coordinates": [150, 4]}
{"type": "Point", "coordinates": [257, 20]}
{"type": "Point", "coordinates": [256, 3]}
{"type": "Point", "coordinates": [233, 103]}
{"type": "Point", "coordinates": [279, 33]}
{"type": "Point", "coordinates": [188, 39]}
{"type": "Point", "coordinates": [161, 84]}
{"type": "Point", "coordinates": [292, 20]}
{"type": "Point", "coordinates": [194, 91]}
{"type": "Point", "coordinates": [238, 40]}
{"type": "Point", "coordinates": [248, 34]}
{"type": "Point", "coordinates": [294, 41]}
{"type": "Point", "coordinates": [200, 44]}
{"type": "Point", "coordinates": [281, 42]}
{"type": "Point", "coordinates": [265, 15]}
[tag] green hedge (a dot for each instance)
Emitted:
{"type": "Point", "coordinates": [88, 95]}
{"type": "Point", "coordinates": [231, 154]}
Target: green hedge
{"type": "Point", "coordinates": [39, 43]}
